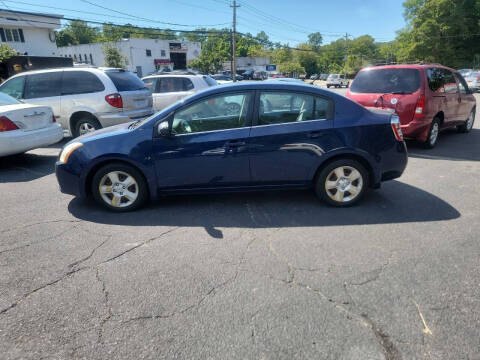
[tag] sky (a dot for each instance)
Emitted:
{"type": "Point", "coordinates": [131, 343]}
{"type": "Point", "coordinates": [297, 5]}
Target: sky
{"type": "Point", "coordinates": [287, 21]}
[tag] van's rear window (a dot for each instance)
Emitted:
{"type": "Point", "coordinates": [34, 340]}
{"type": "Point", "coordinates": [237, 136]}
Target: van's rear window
{"type": "Point", "coordinates": [125, 80]}
{"type": "Point", "coordinates": [383, 81]}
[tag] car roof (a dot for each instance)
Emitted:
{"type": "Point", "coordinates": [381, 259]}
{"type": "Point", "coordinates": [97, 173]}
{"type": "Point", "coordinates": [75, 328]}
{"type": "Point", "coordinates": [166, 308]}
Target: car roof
{"type": "Point", "coordinates": [408, 66]}
{"type": "Point", "coordinates": [173, 75]}
{"type": "Point", "coordinates": [88, 69]}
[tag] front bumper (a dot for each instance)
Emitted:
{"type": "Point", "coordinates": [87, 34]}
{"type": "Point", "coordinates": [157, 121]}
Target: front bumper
{"type": "Point", "coordinates": [68, 179]}
{"type": "Point", "coordinates": [19, 141]}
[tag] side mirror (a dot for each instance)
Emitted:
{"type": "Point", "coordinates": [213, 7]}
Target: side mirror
{"type": "Point", "coordinates": [164, 129]}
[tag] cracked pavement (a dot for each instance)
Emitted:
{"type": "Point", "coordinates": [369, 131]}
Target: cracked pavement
{"type": "Point", "coordinates": [245, 276]}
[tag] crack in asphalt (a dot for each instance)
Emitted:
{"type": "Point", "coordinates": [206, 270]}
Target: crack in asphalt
{"type": "Point", "coordinates": [376, 272]}
{"type": "Point", "coordinates": [89, 255]}
{"type": "Point", "coordinates": [40, 223]}
{"type": "Point", "coordinates": [106, 302]}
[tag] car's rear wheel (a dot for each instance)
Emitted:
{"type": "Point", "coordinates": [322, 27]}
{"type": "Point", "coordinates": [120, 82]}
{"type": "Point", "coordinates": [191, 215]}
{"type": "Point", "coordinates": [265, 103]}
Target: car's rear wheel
{"type": "Point", "coordinates": [342, 182]}
{"type": "Point", "coordinates": [85, 125]}
{"type": "Point", "coordinates": [119, 187]}
{"type": "Point", "coordinates": [433, 133]}
{"type": "Point", "coordinates": [468, 125]}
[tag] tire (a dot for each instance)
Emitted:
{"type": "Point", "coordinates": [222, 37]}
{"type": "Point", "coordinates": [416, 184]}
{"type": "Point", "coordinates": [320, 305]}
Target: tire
{"type": "Point", "coordinates": [328, 86]}
{"type": "Point", "coordinates": [85, 125]}
{"type": "Point", "coordinates": [330, 188]}
{"type": "Point", "coordinates": [346, 86]}
{"type": "Point", "coordinates": [468, 125]}
{"type": "Point", "coordinates": [432, 137]}
{"type": "Point", "coordinates": [118, 195]}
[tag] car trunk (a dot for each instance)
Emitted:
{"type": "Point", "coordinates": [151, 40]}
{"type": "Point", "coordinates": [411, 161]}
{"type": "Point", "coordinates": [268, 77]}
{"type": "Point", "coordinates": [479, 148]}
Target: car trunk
{"type": "Point", "coordinates": [136, 100]}
{"type": "Point", "coordinates": [28, 117]}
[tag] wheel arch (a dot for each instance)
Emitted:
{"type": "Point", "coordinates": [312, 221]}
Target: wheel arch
{"type": "Point", "coordinates": [77, 115]}
{"type": "Point", "coordinates": [372, 178]}
{"type": "Point", "coordinates": [88, 177]}
{"type": "Point", "coordinates": [441, 116]}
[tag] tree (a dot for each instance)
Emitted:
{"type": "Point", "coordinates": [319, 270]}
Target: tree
{"type": "Point", "coordinates": [6, 52]}
{"type": "Point", "coordinates": [292, 68]}
{"type": "Point", "coordinates": [315, 40]}
{"type": "Point", "coordinates": [77, 32]}
{"type": "Point", "coordinates": [113, 56]}
{"type": "Point", "coordinates": [307, 59]}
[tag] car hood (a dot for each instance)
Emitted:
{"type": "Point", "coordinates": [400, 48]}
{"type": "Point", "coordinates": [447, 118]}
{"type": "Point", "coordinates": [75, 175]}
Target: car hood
{"type": "Point", "coordinates": [101, 133]}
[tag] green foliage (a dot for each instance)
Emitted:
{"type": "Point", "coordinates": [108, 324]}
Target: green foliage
{"type": "Point", "coordinates": [77, 32]}
{"type": "Point", "coordinates": [113, 56]}
{"type": "Point", "coordinates": [291, 68]}
{"type": "Point", "coordinates": [315, 40]}
{"type": "Point", "coordinates": [6, 52]}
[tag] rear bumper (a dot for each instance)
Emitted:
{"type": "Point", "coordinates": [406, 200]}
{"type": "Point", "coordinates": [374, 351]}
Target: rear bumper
{"type": "Point", "coordinates": [123, 117]}
{"type": "Point", "coordinates": [416, 129]}
{"type": "Point", "coordinates": [394, 162]}
{"type": "Point", "coordinates": [19, 141]}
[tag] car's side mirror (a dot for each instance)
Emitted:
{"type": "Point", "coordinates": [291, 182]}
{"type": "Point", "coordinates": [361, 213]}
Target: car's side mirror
{"type": "Point", "coordinates": [163, 129]}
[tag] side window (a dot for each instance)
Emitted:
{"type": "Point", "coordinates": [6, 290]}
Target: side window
{"type": "Point", "coordinates": [43, 85]}
{"type": "Point", "coordinates": [215, 113]}
{"type": "Point", "coordinates": [80, 82]}
{"type": "Point", "coordinates": [286, 107]}
{"type": "Point", "coordinates": [173, 84]}
{"type": "Point", "coordinates": [150, 84]}
{"type": "Point", "coordinates": [450, 83]}
{"type": "Point", "coordinates": [462, 85]}
{"type": "Point", "coordinates": [187, 84]}
{"type": "Point", "coordinates": [14, 87]}
{"type": "Point", "coordinates": [436, 80]}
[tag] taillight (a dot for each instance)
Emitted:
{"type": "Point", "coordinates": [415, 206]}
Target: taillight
{"type": "Point", "coordinates": [478, 77]}
{"type": "Point", "coordinates": [397, 130]}
{"type": "Point", "coordinates": [419, 107]}
{"type": "Point", "coordinates": [7, 125]}
{"type": "Point", "coordinates": [53, 118]}
{"type": "Point", "coordinates": [115, 100]}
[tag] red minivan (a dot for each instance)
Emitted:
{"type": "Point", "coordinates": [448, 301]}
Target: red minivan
{"type": "Point", "coordinates": [427, 98]}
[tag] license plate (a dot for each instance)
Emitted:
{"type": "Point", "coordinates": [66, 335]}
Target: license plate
{"type": "Point", "coordinates": [140, 103]}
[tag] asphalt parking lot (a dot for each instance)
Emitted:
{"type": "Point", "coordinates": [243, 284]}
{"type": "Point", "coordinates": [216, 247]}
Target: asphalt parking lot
{"type": "Point", "coordinates": [246, 276]}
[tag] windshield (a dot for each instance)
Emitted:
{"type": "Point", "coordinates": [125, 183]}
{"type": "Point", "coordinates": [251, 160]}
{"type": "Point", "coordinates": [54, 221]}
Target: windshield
{"type": "Point", "coordinates": [334, 76]}
{"type": "Point", "coordinates": [7, 100]}
{"type": "Point", "coordinates": [384, 81]}
{"type": "Point", "coordinates": [125, 80]}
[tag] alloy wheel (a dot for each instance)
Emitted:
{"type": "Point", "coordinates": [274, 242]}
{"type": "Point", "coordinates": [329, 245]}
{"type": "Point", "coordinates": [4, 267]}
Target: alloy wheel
{"type": "Point", "coordinates": [434, 133]}
{"type": "Point", "coordinates": [118, 189]}
{"type": "Point", "coordinates": [85, 128]}
{"type": "Point", "coordinates": [470, 120]}
{"type": "Point", "coordinates": [343, 184]}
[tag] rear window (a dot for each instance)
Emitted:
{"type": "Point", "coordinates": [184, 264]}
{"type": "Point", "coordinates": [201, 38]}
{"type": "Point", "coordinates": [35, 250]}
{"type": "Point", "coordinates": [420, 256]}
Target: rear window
{"type": "Point", "coordinates": [125, 80]}
{"type": "Point", "coordinates": [7, 100]}
{"type": "Point", "coordinates": [210, 81]}
{"type": "Point", "coordinates": [80, 82]}
{"type": "Point", "coordinates": [384, 81]}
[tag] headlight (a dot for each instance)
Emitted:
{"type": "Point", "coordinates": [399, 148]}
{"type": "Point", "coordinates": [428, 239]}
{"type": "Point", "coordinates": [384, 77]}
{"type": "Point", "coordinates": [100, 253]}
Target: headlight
{"type": "Point", "coordinates": [67, 151]}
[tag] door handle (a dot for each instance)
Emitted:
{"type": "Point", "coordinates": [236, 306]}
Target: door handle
{"type": "Point", "coordinates": [314, 134]}
{"type": "Point", "coordinates": [235, 143]}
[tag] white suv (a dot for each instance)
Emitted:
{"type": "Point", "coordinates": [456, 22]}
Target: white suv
{"type": "Point", "coordinates": [168, 89]}
{"type": "Point", "coordinates": [337, 80]}
{"type": "Point", "coordinates": [84, 99]}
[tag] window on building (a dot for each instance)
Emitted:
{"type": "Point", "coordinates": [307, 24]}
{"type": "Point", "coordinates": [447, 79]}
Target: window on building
{"type": "Point", "coordinates": [8, 34]}
{"type": "Point", "coordinates": [86, 59]}
{"type": "Point", "coordinates": [149, 52]}
{"type": "Point", "coordinates": [162, 53]}
{"type": "Point", "coordinates": [91, 59]}
{"type": "Point", "coordinates": [74, 57]}
{"type": "Point", "coordinates": [16, 37]}
{"type": "Point", "coordinates": [80, 57]}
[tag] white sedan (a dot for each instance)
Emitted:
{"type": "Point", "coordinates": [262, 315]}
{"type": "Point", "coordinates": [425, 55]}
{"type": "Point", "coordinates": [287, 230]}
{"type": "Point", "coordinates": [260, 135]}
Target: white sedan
{"type": "Point", "coordinates": [24, 127]}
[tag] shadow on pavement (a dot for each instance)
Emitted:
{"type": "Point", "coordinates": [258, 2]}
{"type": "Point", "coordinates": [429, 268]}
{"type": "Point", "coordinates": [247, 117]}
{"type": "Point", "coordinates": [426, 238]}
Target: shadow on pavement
{"type": "Point", "coordinates": [26, 167]}
{"type": "Point", "coordinates": [451, 146]}
{"type": "Point", "coordinates": [396, 202]}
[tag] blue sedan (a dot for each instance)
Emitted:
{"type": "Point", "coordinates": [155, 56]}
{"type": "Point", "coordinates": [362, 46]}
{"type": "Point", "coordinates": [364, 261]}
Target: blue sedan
{"type": "Point", "coordinates": [252, 136]}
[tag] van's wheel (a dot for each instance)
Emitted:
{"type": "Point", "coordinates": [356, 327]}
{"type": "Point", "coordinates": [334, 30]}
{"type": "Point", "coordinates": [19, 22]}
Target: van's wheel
{"type": "Point", "coordinates": [468, 125]}
{"type": "Point", "coordinates": [328, 86]}
{"type": "Point", "coordinates": [119, 187]}
{"type": "Point", "coordinates": [432, 137]}
{"type": "Point", "coordinates": [85, 125]}
{"type": "Point", "coordinates": [342, 182]}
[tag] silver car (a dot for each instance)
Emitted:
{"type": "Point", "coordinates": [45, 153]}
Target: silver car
{"type": "Point", "coordinates": [337, 80]}
{"type": "Point", "coordinates": [84, 99]}
{"type": "Point", "coordinates": [473, 81]}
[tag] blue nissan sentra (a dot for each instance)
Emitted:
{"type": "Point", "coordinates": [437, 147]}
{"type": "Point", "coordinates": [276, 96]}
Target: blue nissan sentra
{"type": "Point", "coordinates": [251, 136]}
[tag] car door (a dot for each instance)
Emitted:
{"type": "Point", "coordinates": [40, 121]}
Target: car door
{"type": "Point", "coordinates": [208, 145]}
{"type": "Point", "coordinates": [44, 89]}
{"type": "Point", "coordinates": [465, 98]}
{"type": "Point", "coordinates": [453, 107]}
{"type": "Point", "coordinates": [292, 131]}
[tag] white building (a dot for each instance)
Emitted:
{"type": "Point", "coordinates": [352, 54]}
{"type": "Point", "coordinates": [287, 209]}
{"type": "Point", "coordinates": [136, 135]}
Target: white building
{"type": "Point", "coordinates": [29, 33]}
{"type": "Point", "coordinates": [144, 56]}
{"type": "Point", "coordinates": [249, 63]}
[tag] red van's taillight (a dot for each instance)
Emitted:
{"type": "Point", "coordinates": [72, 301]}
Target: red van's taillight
{"type": "Point", "coordinates": [53, 118]}
{"type": "Point", "coordinates": [115, 100]}
{"type": "Point", "coordinates": [478, 77]}
{"type": "Point", "coordinates": [397, 130]}
{"type": "Point", "coordinates": [419, 107]}
{"type": "Point", "coordinates": [7, 125]}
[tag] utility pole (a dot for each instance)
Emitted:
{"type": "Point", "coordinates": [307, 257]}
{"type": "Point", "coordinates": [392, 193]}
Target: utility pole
{"type": "Point", "coordinates": [346, 53]}
{"type": "Point", "coordinates": [234, 42]}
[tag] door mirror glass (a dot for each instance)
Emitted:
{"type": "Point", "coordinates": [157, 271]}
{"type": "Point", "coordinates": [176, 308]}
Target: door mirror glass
{"type": "Point", "coordinates": [163, 129]}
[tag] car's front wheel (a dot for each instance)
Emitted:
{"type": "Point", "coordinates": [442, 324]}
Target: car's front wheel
{"type": "Point", "coordinates": [119, 187]}
{"type": "Point", "coordinates": [342, 182]}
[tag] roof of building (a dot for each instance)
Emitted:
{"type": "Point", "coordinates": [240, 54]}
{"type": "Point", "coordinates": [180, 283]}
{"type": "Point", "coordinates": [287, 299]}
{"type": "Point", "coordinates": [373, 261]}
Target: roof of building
{"type": "Point", "coordinates": [54, 16]}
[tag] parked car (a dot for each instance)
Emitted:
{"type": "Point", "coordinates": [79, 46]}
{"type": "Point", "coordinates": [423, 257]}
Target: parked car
{"type": "Point", "coordinates": [465, 72]}
{"type": "Point", "coordinates": [337, 80]}
{"type": "Point", "coordinates": [314, 76]}
{"type": "Point", "coordinates": [222, 79]}
{"type": "Point", "coordinates": [167, 89]}
{"type": "Point", "coordinates": [260, 75]}
{"type": "Point", "coordinates": [288, 80]}
{"type": "Point", "coordinates": [323, 77]}
{"type": "Point", "coordinates": [248, 75]}
{"type": "Point", "coordinates": [25, 127]}
{"type": "Point", "coordinates": [249, 136]}
{"type": "Point", "coordinates": [84, 99]}
{"type": "Point", "coordinates": [473, 81]}
{"type": "Point", "coordinates": [427, 98]}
